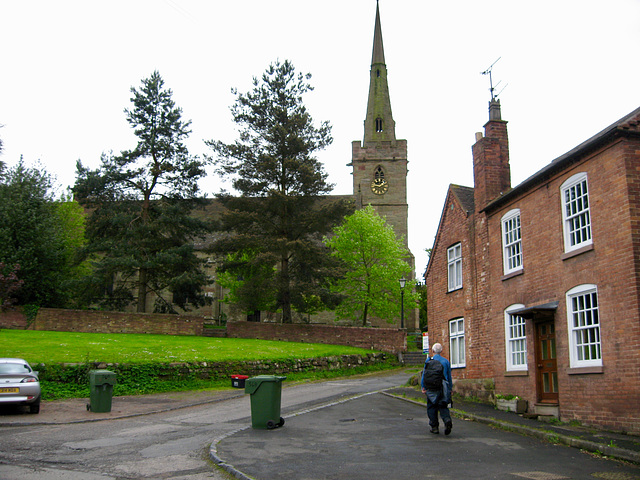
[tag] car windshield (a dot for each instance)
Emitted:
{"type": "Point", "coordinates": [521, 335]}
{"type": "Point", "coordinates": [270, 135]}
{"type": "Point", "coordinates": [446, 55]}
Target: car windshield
{"type": "Point", "coordinates": [14, 368]}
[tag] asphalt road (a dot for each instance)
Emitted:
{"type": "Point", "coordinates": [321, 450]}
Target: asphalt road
{"type": "Point", "coordinates": [171, 445]}
{"type": "Point", "coordinates": [381, 437]}
{"type": "Point", "coordinates": [334, 430]}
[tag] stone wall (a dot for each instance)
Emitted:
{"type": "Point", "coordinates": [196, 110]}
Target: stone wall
{"type": "Point", "coordinates": [384, 339]}
{"type": "Point", "coordinates": [127, 373]}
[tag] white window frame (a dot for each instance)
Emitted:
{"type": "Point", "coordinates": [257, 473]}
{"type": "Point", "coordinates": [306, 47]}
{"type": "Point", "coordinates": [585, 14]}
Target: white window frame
{"type": "Point", "coordinates": [511, 241]}
{"type": "Point", "coordinates": [454, 267]}
{"type": "Point", "coordinates": [515, 340]}
{"type": "Point", "coordinates": [583, 322]}
{"type": "Point", "coordinates": [576, 212]}
{"type": "Point", "coordinates": [457, 343]}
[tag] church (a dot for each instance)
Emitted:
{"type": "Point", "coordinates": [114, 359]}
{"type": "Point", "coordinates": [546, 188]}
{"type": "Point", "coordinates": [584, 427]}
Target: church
{"type": "Point", "coordinates": [379, 170]}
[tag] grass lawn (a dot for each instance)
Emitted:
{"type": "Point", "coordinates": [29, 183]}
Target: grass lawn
{"type": "Point", "coordinates": [68, 347]}
{"type": "Point", "coordinates": [144, 353]}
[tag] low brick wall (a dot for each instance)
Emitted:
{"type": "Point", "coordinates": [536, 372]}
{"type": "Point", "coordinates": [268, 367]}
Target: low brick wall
{"type": "Point", "coordinates": [384, 339]}
{"type": "Point", "coordinates": [91, 321]}
{"type": "Point", "coordinates": [13, 319]}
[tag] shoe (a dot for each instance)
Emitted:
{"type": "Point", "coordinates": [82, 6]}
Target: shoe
{"type": "Point", "coordinates": [434, 430]}
{"type": "Point", "coordinates": [447, 428]}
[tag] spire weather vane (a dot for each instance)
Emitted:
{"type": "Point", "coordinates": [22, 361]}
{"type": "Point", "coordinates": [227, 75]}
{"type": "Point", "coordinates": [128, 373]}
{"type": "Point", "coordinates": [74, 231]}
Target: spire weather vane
{"type": "Point", "coordinates": [491, 87]}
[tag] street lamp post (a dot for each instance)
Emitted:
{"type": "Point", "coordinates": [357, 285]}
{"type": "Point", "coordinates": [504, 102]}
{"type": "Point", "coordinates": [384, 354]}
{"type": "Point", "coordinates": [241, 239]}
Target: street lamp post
{"type": "Point", "coordinates": [403, 282]}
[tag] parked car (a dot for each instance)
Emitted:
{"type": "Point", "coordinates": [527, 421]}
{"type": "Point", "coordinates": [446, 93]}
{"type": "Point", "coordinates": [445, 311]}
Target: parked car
{"type": "Point", "coordinates": [19, 384]}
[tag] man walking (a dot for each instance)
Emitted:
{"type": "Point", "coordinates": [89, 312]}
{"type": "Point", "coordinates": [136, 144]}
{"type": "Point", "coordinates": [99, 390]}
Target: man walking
{"type": "Point", "coordinates": [437, 385]}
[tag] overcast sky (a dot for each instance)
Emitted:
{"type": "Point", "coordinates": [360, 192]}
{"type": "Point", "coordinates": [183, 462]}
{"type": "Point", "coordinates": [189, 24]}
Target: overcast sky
{"type": "Point", "coordinates": [570, 67]}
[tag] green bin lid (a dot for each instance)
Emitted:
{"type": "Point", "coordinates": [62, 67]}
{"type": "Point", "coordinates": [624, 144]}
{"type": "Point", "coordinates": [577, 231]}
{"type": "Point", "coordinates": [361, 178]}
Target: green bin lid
{"type": "Point", "coordinates": [102, 377]}
{"type": "Point", "coordinates": [252, 384]}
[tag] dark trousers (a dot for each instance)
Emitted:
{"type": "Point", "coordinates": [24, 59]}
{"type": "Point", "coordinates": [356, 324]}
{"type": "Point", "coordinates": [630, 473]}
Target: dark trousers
{"type": "Point", "coordinates": [435, 404]}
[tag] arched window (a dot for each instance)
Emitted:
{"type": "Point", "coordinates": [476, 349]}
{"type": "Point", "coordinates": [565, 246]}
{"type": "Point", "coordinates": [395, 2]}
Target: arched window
{"type": "Point", "coordinates": [378, 124]}
{"type": "Point", "coordinates": [378, 174]}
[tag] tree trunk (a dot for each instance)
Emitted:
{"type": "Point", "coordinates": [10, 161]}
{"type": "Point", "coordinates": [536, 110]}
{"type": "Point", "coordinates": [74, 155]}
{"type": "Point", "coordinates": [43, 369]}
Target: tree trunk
{"type": "Point", "coordinates": [142, 291]}
{"type": "Point", "coordinates": [285, 294]}
{"type": "Point", "coordinates": [142, 273]}
{"type": "Point", "coordinates": [365, 313]}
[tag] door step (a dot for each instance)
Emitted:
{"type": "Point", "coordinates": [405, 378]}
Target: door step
{"type": "Point", "coordinates": [549, 410]}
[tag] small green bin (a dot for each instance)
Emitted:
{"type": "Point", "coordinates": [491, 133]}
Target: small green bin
{"type": "Point", "coordinates": [101, 384]}
{"type": "Point", "coordinates": [266, 393]}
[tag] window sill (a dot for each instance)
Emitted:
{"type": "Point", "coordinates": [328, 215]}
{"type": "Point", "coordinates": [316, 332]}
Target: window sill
{"type": "Point", "coordinates": [454, 290]}
{"type": "Point", "coordinates": [517, 373]}
{"type": "Point", "coordinates": [512, 274]}
{"type": "Point", "coordinates": [577, 252]}
{"type": "Point", "coordinates": [585, 370]}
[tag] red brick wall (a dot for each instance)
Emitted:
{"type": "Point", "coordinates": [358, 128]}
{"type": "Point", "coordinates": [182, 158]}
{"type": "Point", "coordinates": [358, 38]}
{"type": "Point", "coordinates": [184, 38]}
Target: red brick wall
{"type": "Point", "coordinates": [384, 339]}
{"type": "Point", "coordinates": [455, 227]}
{"type": "Point", "coordinates": [15, 319]}
{"type": "Point", "coordinates": [117, 322]}
{"type": "Point", "coordinates": [606, 398]}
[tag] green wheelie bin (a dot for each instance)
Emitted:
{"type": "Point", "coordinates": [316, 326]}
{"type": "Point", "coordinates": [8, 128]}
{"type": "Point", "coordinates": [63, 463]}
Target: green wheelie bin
{"type": "Point", "coordinates": [266, 393]}
{"type": "Point", "coordinates": [101, 384]}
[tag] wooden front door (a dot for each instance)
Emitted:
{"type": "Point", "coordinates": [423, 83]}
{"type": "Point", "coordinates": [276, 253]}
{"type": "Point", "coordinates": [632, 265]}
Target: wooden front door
{"type": "Point", "coordinates": [547, 365]}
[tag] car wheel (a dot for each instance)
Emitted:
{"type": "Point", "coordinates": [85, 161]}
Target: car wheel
{"type": "Point", "coordinates": [34, 408]}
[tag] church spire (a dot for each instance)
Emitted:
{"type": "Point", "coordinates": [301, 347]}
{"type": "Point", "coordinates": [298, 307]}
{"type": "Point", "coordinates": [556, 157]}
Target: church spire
{"type": "Point", "coordinates": [378, 48]}
{"type": "Point", "coordinates": [378, 125]}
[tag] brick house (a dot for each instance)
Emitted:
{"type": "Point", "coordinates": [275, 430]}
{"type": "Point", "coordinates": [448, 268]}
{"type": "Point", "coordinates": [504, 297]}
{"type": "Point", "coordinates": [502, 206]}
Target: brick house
{"type": "Point", "coordinates": [535, 290]}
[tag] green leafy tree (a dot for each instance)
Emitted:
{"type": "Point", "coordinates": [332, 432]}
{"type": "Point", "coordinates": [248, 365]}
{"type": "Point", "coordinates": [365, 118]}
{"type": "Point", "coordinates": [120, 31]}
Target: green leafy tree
{"type": "Point", "coordinates": [282, 212]}
{"type": "Point", "coordinates": [375, 261]}
{"type": "Point", "coordinates": [141, 231]}
{"type": "Point", "coordinates": [33, 236]}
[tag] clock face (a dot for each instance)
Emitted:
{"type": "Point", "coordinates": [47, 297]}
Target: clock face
{"type": "Point", "coordinates": [379, 186]}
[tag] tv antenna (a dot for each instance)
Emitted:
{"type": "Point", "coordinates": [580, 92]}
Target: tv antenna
{"type": "Point", "coordinates": [492, 89]}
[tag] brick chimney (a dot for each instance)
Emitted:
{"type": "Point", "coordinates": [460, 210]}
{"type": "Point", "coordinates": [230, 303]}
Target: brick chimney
{"type": "Point", "coordinates": [491, 170]}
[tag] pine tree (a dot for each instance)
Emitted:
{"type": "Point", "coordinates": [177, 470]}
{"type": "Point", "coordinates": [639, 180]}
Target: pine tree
{"type": "Point", "coordinates": [141, 230]}
{"type": "Point", "coordinates": [274, 227]}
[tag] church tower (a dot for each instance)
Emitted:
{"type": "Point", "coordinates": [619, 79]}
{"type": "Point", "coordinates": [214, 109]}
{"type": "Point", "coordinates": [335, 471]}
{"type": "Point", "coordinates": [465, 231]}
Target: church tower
{"type": "Point", "coordinates": [380, 161]}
